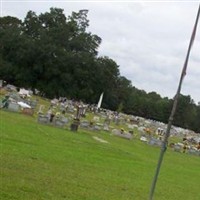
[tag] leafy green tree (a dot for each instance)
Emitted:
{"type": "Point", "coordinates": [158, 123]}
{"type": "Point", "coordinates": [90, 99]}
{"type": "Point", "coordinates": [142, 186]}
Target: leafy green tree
{"type": "Point", "coordinates": [57, 55]}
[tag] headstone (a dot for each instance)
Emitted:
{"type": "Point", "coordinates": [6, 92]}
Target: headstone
{"type": "Point", "coordinates": [59, 123]}
{"type": "Point", "coordinates": [41, 109]}
{"type": "Point", "coordinates": [84, 124]}
{"type": "Point", "coordinates": [43, 119]}
{"type": "Point", "coordinates": [75, 124]}
{"type": "Point", "coordinates": [122, 134]}
{"type": "Point", "coordinates": [1, 83]}
{"type": "Point", "coordinates": [96, 128]}
{"type": "Point", "coordinates": [143, 139]}
{"type": "Point", "coordinates": [106, 127]}
{"type": "Point", "coordinates": [132, 126]}
{"type": "Point", "coordinates": [107, 121]}
{"type": "Point", "coordinates": [12, 106]}
{"type": "Point", "coordinates": [65, 120]}
{"type": "Point", "coordinates": [33, 103]}
{"type": "Point", "coordinates": [1, 104]}
{"type": "Point", "coordinates": [28, 111]}
{"type": "Point", "coordinates": [117, 120]}
{"type": "Point", "coordinates": [177, 148]}
{"type": "Point", "coordinates": [96, 119]}
{"type": "Point", "coordinates": [155, 142]}
{"type": "Point", "coordinates": [193, 152]}
{"type": "Point", "coordinates": [70, 109]}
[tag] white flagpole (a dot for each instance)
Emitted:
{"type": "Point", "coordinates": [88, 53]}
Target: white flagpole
{"type": "Point", "coordinates": [100, 101]}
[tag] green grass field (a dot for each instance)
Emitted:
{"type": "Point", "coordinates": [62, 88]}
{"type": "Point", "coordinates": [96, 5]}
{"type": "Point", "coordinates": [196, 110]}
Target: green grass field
{"type": "Point", "coordinates": [41, 162]}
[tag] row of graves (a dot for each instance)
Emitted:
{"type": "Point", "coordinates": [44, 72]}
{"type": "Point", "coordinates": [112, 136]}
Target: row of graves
{"type": "Point", "coordinates": [65, 113]}
{"type": "Point", "coordinates": [73, 115]}
{"type": "Point", "coordinates": [190, 144]}
{"type": "Point", "coordinates": [18, 102]}
{"type": "Point", "coordinates": [189, 141]}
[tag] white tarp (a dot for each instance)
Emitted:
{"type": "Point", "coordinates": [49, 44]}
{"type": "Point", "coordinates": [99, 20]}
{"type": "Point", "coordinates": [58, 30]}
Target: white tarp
{"type": "Point", "coordinates": [23, 105]}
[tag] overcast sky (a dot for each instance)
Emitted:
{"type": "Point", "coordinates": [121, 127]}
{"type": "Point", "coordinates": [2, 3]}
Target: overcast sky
{"type": "Point", "coordinates": [147, 39]}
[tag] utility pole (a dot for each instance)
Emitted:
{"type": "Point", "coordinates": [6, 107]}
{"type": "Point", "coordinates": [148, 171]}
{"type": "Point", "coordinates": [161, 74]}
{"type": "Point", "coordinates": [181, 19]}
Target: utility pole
{"type": "Point", "coordinates": [165, 141]}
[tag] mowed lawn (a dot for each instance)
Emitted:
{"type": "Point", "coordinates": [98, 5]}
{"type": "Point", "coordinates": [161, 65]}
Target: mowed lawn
{"type": "Point", "coordinates": [42, 162]}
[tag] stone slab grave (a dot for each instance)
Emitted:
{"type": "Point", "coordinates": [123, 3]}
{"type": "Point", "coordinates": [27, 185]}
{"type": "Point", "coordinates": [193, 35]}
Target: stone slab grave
{"type": "Point", "coordinates": [106, 127]}
{"type": "Point", "coordinates": [120, 134]}
{"type": "Point", "coordinates": [33, 103]}
{"type": "Point", "coordinates": [14, 107]}
{"type": "Point", "coordinates": [70, 109]}
{"type": "Point", "coordinates": [1, 104]}
{"type": "Point", "coordinates": [154, 142]}
{"type": "Point", "coordinates": [178, 148]}
{"type": "Point", "coordinates": [28, 111]}
{"type": "Point", "coordinates": [43, 119]}
{"type": "Point", "coordinates": [41, 108]}
{"type": "Point", "coordinates": [60, 122]}
{"type": "Point", "coordinates": [96, 127]}
{"type": "Point", "coordinates": [143, 139]}
{"type": "Point", "coordinates": [85, 124]}
{"type": "Point", "coordinates": [193, 152]}
{"type": "Point", "coordinates": [132, 126]}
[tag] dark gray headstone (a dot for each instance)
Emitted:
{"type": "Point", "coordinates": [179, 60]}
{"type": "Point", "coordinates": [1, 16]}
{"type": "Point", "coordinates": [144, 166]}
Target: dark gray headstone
{"type": "Point", "coordinates": [59, 123]}
{"type": "Point", "coordinates": [43, 119]}
{"type": "Point", "coordinates": [84, 124]}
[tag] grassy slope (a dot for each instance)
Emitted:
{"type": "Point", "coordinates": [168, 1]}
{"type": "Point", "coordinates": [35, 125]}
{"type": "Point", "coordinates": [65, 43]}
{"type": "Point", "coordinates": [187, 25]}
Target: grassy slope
{"type": "Point", "coordinates": [41, 162]}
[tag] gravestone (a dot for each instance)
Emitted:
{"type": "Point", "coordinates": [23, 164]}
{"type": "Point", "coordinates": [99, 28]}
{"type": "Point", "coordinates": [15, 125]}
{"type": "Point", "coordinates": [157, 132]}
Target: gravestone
{"type": "Point", "coordinates": [43, 119]}
{"type": "Point", "coordinates": [143, 139]}
{"type": "Point", "coordinates": [117, 121]}
{"type": "Point", "coordinates": [96, 127]}
{"type": "Point", "coordinates": [59, 123]}
{"type": "Point", "coordinates": [107, 121]}
{"type": "Point", "coordinates": [41, 108]}
{"type": "Point", "coordinates": [12, 106]}
{"type": "Point", "coordinates": [106, 127]}
{"type": "Point", "coordinates": [1, 104]}
{"type": "Point", "coordinates": [193, 152]}
{"type": "Point", "coordinates": [123, 135]}
{"type": "Point", "coordinates": [155, 142]}
{"type": "Point", "coordinates": [132, 126]}
{"type": "Point", "coordinates": [75, 124]}
{"type": "Point", "coordinates": [65, 120]}
{"type": "Point", "coordinates": [33, 103]}
{"type": "Point", "coordinates": [28, 111]}
{"type": "Point", "coordinates": [70, 109]}
{"type": "Point", "coordinates": [85, 124]}
{"type": "Point", "coordinates": [1, 83]}
{"type": "Point", "coordinates": [96, 118]}
{"type": "Point", "coordinates": [177, 148]}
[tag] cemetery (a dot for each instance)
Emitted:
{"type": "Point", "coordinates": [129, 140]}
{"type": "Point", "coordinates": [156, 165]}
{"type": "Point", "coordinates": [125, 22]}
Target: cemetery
{"type": "Point", "coordinates": [85, 148]}
{"type": "Point", "coordinates": [58, 141]}
{"type": "Point", "coordinates": [73, 115]}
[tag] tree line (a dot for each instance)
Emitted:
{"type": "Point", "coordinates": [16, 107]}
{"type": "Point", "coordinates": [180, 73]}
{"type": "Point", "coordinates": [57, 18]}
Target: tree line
{"type": "Point", "coordinates": [58, 56]}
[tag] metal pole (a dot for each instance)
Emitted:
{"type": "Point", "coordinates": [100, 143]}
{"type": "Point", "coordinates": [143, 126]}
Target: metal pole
{"type": "Point", "coordinates": [165, 141]}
